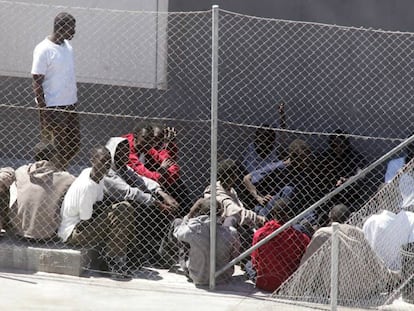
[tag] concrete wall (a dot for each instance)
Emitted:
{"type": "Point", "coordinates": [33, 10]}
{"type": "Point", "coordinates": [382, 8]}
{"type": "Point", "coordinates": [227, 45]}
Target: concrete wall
{"type": "Point", "coordinates": [377, 14]}
{"type": "Point", "coordinates": [100, 42]}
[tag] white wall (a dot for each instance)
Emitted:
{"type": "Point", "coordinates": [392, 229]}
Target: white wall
{"type": "Point", "coordinates": [121, 42]}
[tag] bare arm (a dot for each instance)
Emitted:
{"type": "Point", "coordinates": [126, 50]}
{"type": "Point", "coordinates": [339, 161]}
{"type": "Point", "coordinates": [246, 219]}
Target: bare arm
{"type": "Point", "coordinates": [247, 180]}
{"type": "Point", "coordinates": [168, 200]}
{"type": "Point", "coordinates": [37, 84]}
{"type": "Point", "coordinates": [163, 170]}
{"type": "Point", "coordinates": [196, 206]}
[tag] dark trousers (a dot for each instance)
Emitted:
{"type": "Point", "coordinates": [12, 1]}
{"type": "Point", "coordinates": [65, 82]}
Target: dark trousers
{"type": "Point", "coordinates": [62, 129]}
{"type": "Point", "coordinates": [111, 229]}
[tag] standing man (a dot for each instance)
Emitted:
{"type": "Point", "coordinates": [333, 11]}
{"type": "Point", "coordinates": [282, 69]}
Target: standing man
{"type": "Point", "coordinates": [54, 85]}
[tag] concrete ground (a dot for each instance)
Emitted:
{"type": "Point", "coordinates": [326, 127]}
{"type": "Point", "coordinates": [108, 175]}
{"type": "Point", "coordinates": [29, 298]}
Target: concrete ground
{"type": "Point", "coordinates": [151, 290]}
{"type": "Point", "coordinates": [157, 290]}
{"type": "Point", "coordinates": [43, 291]}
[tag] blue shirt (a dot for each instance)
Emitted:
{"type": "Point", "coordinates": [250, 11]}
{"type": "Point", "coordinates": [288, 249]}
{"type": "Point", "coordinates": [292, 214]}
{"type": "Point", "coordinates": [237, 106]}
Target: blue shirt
{"type": "Point", "coordinates": [393, 167]}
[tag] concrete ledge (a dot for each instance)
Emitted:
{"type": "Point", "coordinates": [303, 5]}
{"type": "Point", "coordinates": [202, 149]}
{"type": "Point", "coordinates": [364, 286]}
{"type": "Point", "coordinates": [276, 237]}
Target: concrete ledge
{"type": "Point", "coordinates": [16, 254]}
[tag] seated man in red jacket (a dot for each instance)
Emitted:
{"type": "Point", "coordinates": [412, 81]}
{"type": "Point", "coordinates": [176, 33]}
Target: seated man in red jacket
{"type": "Point", "coordinates": [276, 260]}
{"type": "Point", "coordinates": [153, 154]}
{"type": "Point", "coordinates": [147, 160]}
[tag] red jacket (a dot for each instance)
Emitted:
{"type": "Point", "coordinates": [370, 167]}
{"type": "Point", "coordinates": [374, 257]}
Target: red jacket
{"type": "Point", "coordinates": [157, 155]}
{"type": "Point", "coordinates": [276, 260]}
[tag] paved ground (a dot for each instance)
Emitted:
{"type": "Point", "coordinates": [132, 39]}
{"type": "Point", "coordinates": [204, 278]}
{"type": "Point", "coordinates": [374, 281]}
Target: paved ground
{"type": "Point", "coordinates": [152, 290]}
{"type": "Point", "coordinates": [42, 291]}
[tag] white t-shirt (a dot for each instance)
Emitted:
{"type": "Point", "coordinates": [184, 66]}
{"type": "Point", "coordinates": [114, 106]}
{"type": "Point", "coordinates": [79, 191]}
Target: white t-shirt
{"type": "Point", "coordinates": [56, 63]}
{"type": "Point", "coordinates": [387, 232]}
{"type": "Point", "coordinates": [78, 202]}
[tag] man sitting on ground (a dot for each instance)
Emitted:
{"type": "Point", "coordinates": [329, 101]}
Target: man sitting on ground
{"type": "Point", "coordinates": [296, 178]}
{"type": "Point", "coordinates": [153, 206]}
{"type": "Point", "coordinates": [386, 232]}
{"type": "Point", "coordinates": [339, 213]}
{"type": "Point", "coordinates": [234, 212]}
{"type": "Point", "coordinates": [146, 160]}
{"type": "Point", "coordinates": [40, 188]}
{"type": "Point", "coordinates": [362, 274]}
{"type": "Point", "coordinates": [267, 148]}
{"type": "Point", "coordinates": [295, 173]}
{"type": "Point", "coordinates": [165, 148]}
{"type": "Point", "coordinates": [276, 260]}
{"type": "Point", "coordinates": [195, 230]}
{"type": "Point", "coordinates": [89, 222]}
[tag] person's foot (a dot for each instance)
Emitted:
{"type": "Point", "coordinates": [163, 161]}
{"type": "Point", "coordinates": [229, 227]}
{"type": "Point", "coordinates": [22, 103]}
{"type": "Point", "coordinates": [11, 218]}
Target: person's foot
{"type": "Point", "coordinates": [118, 268]}
{"type": "Point", "coordinates": [120, 277]}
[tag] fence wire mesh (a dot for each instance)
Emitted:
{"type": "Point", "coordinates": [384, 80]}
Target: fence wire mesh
{"type": "Point", "coordinates": [302, 107]}
{"type": "Point", "coordinates": [148, 72]}
{"type": "Point", "coordinates": [375, 253]}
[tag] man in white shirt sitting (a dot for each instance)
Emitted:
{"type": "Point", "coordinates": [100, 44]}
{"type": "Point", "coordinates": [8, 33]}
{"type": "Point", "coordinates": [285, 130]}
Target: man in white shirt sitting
{"type": "Point", "coordinates": [153, 207]}
{"type": "Point", "coordinates": [88, 222]}
{"type": "Point", "coordinates": [387, 232]}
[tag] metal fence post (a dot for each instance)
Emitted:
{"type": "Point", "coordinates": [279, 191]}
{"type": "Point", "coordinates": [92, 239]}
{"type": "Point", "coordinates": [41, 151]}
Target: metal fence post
{"type": "Point", "coordinates": [334, 266]}
{"type": "Point", "coordinates": [213, 180]}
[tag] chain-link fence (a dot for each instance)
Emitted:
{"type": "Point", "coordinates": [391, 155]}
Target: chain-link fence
{"type": "Point", "coordinates": [302, 108]}
{"type": "Point", "coordinates": [375, 256]}
{"type": "Point", "coordinates": [133, 69]}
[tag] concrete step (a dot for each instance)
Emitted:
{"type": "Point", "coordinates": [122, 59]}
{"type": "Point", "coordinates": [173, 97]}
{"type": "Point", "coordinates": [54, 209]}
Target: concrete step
{"type": "Point", "coordinates": [48, 257]}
